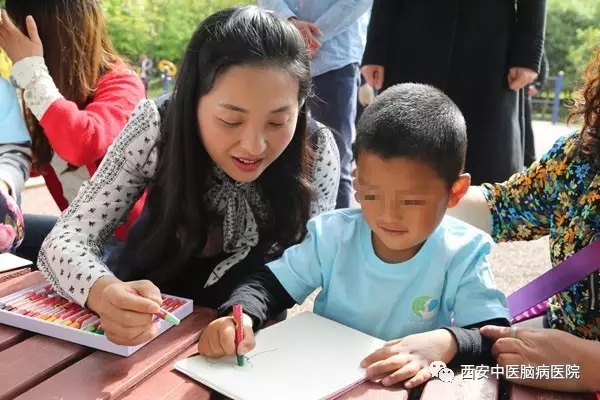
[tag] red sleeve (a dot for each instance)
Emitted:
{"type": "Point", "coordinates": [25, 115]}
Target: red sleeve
{"type": "Point", "coordinates": [136, 211]}
{"type": "Point", "coordinates": [82, 137]}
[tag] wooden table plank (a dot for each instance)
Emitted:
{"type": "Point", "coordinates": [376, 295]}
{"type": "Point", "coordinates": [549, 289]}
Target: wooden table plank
{"type": "Point", "coordinates": [28, 363]}
{"type": "Point", "coordinates": [20, 283]}
{"type": "Point", "coordinates": [104, 375]}
{"type": "Point", "coordinates": [518, 392]}
{"type": "Point", "coordinates": [463, 388]}
{"type": "Point", "coordinates": [10, 336]}
{"type": "Point", "coordinates": [8, 275]}
{"type": "Point", "coordinates": [375, 391]}
{"type": "Point", "coordinates": [169, 384]}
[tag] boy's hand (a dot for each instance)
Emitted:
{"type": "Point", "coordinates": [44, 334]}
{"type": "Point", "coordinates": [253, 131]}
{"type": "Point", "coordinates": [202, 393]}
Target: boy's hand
{"type": "Point", "coordinates": [218, 338]}
{"type": "Point", "coordinates": [408, 359]}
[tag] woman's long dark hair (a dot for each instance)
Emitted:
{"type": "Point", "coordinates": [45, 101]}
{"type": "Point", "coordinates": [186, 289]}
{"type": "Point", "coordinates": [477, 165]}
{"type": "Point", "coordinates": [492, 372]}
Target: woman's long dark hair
{"type": "Point", "coordinates": [77, 51]}
{"type": "Point", "coordinates": [234, 36]}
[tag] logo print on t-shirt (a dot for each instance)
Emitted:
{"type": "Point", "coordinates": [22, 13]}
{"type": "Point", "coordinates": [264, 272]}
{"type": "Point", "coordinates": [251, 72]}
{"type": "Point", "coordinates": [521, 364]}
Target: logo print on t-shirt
{"type": "Point", "coordinates": [424, 306]}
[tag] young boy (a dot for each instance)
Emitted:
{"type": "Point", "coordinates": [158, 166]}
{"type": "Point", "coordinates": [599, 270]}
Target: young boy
{"type": "Point", "coordinates": [397, 267]}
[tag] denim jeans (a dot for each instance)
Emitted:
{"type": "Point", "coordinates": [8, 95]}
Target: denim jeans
{"type": "Point", "coordinates": [37, 227]}
{"type": "Point", "coordinates": [334, 105]}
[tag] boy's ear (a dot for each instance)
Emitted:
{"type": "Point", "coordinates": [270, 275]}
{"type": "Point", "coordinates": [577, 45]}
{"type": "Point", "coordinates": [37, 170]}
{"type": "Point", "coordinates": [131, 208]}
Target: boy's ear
{"type": "Point", "coordinates": [459, 189]}
{"type": "Point", "coordinates": [354, 175]}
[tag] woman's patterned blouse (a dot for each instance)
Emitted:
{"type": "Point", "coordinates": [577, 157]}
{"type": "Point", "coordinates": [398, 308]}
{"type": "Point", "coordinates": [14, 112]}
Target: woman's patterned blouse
{"type": "Point", "coordinates": [559, 196]}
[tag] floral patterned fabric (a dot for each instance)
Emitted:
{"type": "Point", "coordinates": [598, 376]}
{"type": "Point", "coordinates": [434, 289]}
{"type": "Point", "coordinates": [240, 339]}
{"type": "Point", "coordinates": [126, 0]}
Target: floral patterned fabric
{"type": "Point", "coordinates": [11, 224]}
{"type": "Point", "coordinates": [559, 196]}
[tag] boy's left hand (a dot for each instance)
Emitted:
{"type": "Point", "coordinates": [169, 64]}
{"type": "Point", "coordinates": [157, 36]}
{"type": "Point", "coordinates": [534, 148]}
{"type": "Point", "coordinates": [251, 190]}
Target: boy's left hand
{"type": "Point", "coordinates": [408, 359]}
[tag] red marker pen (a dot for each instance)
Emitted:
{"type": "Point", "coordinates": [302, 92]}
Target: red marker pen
{"type": "Point", "coordinates": [239, 331]}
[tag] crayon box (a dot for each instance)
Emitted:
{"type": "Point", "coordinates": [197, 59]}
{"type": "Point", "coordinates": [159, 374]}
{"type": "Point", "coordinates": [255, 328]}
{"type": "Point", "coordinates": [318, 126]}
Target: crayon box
{"type": "Point", "coordinates": [40, 309]}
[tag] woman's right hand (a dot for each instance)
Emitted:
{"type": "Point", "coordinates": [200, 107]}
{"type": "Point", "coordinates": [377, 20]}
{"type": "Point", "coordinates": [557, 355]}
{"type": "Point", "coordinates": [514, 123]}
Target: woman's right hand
{"type": "Point", "coordinates": [126, 309]}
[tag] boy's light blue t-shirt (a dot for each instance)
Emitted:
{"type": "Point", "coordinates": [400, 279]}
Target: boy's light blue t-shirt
{"type": "Point", "coordinates": [450, 274]}
{"type": "Point", "coordinates": [12, 125]}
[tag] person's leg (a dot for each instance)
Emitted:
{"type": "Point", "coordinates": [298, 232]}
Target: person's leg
{"type": "Point", "coordinates": [359, 107]}
{"type": "Point", "coordinates": [37, 227]}
{"type": "Point", "coordinates": [334, 105]}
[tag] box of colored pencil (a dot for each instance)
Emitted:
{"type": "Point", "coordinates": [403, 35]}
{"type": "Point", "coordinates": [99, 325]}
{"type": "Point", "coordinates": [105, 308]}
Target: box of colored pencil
{"type": "Point", "coordinates": [40, 309]}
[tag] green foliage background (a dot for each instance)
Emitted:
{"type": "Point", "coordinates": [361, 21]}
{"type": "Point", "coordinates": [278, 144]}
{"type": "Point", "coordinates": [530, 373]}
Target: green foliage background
{"type": "Point", "coordinates": [159, 28]}
{"type": "Point", "coordinates": [572, 36]}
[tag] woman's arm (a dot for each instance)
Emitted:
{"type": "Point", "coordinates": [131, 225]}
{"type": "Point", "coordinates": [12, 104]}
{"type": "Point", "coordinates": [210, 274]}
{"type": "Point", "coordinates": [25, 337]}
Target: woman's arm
{"type": "Point", "coordinates": [520, 208]}
{"type": "Point", "coordinates": [590, 360]}
{"type": "Point", "coordinates": [79, 137]}
{"type": "Point", "coordinates": [70, 257]}
{"type": "Point", "coordinates": [473, 209]}
{"type": "Point", "coordinates": [326, 171]}
{"type": "Point", "coordinates": [380, 31]}
{"type": "Point", "coordinates": [527, 34]}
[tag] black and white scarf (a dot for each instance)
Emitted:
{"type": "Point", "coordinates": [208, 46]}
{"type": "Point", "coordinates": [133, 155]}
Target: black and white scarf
{"type": "Point", "coordinates": [237, 203]}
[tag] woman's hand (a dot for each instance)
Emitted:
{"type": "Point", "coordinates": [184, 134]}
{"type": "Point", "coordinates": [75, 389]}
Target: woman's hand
{"type": "Point", "coordinates": [533, 347]}
{"type": "Point", "coordinates": [408, 359]}
{"type": "Point", "coordinates": [17, 45]}
{"type": "Point", "coordinates": [218, 338]}
{"type": "Point", "coordinates": [126, 309]}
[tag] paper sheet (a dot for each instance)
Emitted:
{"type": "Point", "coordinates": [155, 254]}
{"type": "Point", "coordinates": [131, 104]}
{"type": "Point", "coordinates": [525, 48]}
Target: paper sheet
{"type": "Point", "coordinates": [9, 261]}
{"type": "Point", "coordinates": [305, 357]}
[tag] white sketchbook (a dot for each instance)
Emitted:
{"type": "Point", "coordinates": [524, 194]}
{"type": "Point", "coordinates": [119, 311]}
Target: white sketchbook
{"type": "Point", "coordinates": [9, 262]}
{"type": "Point", "coordinates": [305, 357]}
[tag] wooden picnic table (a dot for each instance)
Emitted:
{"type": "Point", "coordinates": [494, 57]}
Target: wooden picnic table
{"type": "Point", "coordinates": [34, 367]}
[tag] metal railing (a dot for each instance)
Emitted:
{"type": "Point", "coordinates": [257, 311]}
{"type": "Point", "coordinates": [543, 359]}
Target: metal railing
{"type": "Point", "coordinates": [556, 83]}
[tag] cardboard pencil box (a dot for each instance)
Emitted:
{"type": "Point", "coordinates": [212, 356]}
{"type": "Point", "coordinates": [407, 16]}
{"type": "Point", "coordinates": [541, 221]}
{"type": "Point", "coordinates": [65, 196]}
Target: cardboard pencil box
{"type": "Point", "coordinates": [40, 309]}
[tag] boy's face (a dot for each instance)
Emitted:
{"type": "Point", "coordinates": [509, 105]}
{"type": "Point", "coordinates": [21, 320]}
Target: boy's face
{"type": "Point", "coordinates": [403, 201]}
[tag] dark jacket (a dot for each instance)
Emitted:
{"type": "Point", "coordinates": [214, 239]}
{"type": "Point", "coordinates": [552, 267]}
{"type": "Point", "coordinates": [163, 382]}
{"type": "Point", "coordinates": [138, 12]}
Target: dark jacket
{"type": "Point", "coordinates": [465, 48]}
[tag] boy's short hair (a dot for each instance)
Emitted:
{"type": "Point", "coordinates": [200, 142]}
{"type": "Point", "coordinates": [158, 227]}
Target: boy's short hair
{"type": "Point", "coordinates": [415, 121]}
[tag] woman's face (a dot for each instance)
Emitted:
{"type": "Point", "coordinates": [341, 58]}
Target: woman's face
{"type": "Point", "coordinates": [248, 119]}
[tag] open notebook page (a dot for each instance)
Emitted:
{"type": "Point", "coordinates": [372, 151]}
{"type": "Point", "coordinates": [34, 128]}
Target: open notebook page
{"type": "Point", "coordinates": [9, 261]}
{"type": "Point", "coordinates": [305, 357]}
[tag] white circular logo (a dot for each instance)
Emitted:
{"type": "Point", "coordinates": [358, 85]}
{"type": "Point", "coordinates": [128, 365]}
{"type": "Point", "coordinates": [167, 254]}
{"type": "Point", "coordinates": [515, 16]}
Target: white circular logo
{"type": "Point", "coordinates": [439, 370]}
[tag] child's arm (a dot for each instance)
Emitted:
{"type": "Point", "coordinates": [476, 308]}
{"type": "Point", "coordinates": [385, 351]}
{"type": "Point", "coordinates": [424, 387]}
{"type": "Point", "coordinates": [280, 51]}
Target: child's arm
{"type": "Point", "coordinates": [262, 297]}
{"type": "Point", "coordinates": [408, 359]}
{"type": "Point", "coordinates": [474, 299]}
{"type": "Point", "coordinates": [290, 279]}
{"type": "Point", "coordinates": [472, 347]}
